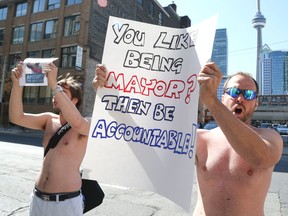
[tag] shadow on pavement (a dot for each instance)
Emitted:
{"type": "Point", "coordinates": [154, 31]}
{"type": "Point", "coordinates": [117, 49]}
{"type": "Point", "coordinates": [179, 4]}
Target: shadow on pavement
{"type": "Point", "coordinates": [27, 138]}
{"type": "Point", "coordinates": [282, 165]}
{"type": "Point", "coordinates": [35, 139]}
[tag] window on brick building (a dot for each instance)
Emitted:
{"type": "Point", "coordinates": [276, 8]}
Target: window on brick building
{"type": "Point", "coordinates": [68, 57]}
{"type": "Point", "coordinates": [38, 6]}
{"type": "Point", "coordinates": [150, 8]}
{"type": "Point", "coordinates": [2, 35]}
{"type": "Point", "coordinates": [14, 59]}
{"type": "Point", "coordinates": [21, 9]}
{"type": "Point", "coordinates": [36, 32]}
{"type": "Point", "coordinates": [30, 94]}
{"type": "Point", "coordinates": [72, 25]}
{"type": "Point", "coordinates": [3, 13]}
{"type": "Point", "coordinates": [50, 29]}
{"type": "Point", "coordinates": [33, 54]}
{"type": "Point", "coordinates": [160, 18]}
{"type": "Point", "coordinates": [140, 2]}
{"type": "Point", "coordinates": [18, 35]}
{"type": "Point", "coordinates": [53, 4]}
{"type": "Point", "coordinates": [37, 95]}
{"type": "Point", "coordinates": [72, 2]}
{"type": "Point", "coordinates": [44, 95]}
{"type": "Point", "coordinates": [49, 53]}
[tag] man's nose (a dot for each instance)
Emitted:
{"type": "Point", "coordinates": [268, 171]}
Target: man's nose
{"type": "Point", "coordinates": [240, 98]}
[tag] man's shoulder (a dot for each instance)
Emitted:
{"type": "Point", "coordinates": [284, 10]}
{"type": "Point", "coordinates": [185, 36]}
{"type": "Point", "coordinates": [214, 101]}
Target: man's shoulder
{"type": "Point", "coordinates": [48, 114]}
{"type": "Point", "coordinates": [260, 130]}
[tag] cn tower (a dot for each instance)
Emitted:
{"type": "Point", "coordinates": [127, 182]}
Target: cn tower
{"type": "Point", "coordinates": [258, 23]}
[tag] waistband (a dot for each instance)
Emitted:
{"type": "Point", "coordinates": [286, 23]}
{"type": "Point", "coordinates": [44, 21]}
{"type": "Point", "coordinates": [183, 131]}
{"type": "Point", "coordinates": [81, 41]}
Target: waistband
{"type": "Point", "coordinates": [55, 196]}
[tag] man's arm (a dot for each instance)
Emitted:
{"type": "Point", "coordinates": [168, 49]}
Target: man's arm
{"type": "Point", "coordinates": [261, 149]}
{"type": "Point", "coordinates": [16, 113]}
{"type": "Point", "coordinates": [68, 109]}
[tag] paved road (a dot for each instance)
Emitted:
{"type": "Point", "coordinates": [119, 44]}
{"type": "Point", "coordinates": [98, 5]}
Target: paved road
{"type": "Point", "coordinates": [20, 164]}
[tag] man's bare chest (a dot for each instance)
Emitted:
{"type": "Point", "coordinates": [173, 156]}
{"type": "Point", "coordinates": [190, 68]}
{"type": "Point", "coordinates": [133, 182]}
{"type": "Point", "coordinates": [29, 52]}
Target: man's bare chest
{"type": "Point", "coordinates": [222, 161]}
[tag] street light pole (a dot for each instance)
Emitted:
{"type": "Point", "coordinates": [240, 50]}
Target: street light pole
{"type": "Point", "coordinates": [3, 81]}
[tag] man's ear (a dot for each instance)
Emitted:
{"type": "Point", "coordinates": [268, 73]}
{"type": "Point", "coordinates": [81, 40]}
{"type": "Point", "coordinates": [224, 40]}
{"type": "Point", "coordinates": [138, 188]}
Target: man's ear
{"type": "Point", "coordinates": [256, 104]}
{"type": "Point", "coordinates": [74, 101]}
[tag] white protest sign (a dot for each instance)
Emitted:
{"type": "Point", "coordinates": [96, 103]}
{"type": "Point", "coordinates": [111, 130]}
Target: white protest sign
{"type": "Point", "coordinates": [33, 71]}
{"type": "Point", "coordinates": [144, 121]}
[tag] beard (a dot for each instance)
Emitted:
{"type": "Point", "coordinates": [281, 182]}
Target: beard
{"type": "Point", "coordinates": [246, 118]}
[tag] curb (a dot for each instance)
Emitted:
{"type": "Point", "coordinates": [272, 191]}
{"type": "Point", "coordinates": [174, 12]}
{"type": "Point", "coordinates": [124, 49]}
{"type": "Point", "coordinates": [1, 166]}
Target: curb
{"type": "Point", "coordinates": [21, 132]}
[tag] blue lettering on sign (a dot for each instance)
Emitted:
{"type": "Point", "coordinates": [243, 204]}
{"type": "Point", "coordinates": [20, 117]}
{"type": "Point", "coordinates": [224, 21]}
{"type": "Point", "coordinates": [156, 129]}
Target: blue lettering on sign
{"type": "Point", "coordinates": [35, 78]}
{"type": "Point", "coordinates": [172, 140]}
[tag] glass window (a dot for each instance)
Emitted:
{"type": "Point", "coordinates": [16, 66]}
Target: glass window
{"type": "Point", "coordinates": [72, 2]}
{"type": "Point", "coordinates": [3, 13]}
{"type": "Point", "coordinates": [14, 59]}
{"type": "Point", "coordinates": [53, 4]}
{"type": "Point", "coordinates": [38, 6]}
{"type": "Point", "coordinates": [72, 25]}
{"type": "Point", "coordinates": [36, 31]}
{"type": "Point", "coordinates": [50, 29]}
{"type": "Point", "coordinates": [33, 54]}
{"type": "Point", "coordinates": [68, 57]}
{"type": "Point", "coordinates": [140, 2]}
{"type": "Point", "coordinates": [29, 94]}
{"type": "Point", "coordinates": [44, 95]}
{"type": "Point", "coordinates": [18, 35]}
{"type": "Point", "coordinates": [150, 8]}
{"type": "Point", "coordinates": [21, 9]}
{"type": "Point", "coordinates": [37, 95]}
{"type": "Point", "coordinates": [2, 35]}
{"type": "Point", "coordinates": [160, 21]}
{"type": "Point", "coordinates": [48, 53]}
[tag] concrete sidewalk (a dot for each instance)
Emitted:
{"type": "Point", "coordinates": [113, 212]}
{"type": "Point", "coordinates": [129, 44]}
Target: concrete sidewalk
{"type": "Point", "coordinates": [20, 164]}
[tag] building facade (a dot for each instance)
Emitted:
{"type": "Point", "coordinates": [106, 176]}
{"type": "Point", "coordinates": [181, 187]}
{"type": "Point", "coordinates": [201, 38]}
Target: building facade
{"type": "Point", "coordinates": [73, 31]}
{"type": "Point", "coordinates": [274, 68]}
{"type": "Point", "coordinates": [220, 55]}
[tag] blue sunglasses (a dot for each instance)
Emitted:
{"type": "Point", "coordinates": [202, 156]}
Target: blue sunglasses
{"type": "Point", "coordinates": [235, 92]}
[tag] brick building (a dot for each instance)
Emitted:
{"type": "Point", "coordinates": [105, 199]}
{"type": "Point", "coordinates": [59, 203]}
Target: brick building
{"type": "Point", "coordinates": [73, 31]}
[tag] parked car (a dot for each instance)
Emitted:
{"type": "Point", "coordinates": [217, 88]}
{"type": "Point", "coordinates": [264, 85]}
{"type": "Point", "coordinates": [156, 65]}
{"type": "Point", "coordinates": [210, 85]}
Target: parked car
{"type": "Point", "coordinates": [210, 125]}
{"type": "Point", "coordinates": [266, 125]}
{"type": "Point", "coordinates": [274, 126]}
{"type": "Point", "coordinates": [282, 129]}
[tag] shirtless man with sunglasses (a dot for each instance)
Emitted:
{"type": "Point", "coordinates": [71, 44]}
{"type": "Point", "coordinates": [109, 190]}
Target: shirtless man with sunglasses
{"type": "Point", "coordinates": [234, 161]}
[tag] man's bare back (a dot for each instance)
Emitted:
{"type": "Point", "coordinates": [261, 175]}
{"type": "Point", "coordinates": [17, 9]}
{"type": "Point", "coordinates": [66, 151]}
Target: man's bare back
{"type": "Point", "coordinates": [228, 185]}
{"type": "Point", "coordinates": [60, 171]}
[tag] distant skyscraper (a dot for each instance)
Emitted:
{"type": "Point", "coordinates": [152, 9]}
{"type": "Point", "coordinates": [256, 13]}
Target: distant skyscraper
{"type": "Point", "coordinates": [219, 52]}
{"type": "Point", "coordinates": [274, 65]}
{"type": "Point", "coordinates": [258, 22]}
{"type": "Point", "coordinates": [265, 67]}
{"type": "Point", "coordinates": [220, 55]}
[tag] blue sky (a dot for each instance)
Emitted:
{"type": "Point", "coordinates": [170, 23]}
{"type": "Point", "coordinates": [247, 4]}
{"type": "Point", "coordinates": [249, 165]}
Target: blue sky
{"type": "Point", "coordinates": [236, 17]}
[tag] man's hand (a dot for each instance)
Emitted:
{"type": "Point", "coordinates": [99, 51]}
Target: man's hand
{"type": "Point", "coordinates": [16, 73]}
{"type": "Point", "coordinates": [209, 79]}
{"type": "Point", "coordinates": [51, 72]}
{"type": "Point", "coordinates": [100, 76]}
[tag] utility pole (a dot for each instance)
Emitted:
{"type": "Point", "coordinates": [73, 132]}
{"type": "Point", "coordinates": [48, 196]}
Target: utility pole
{"type": "Point", "coordinates": [2, 90]}
{"type": "Point", "coordinates": [2, 81]}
